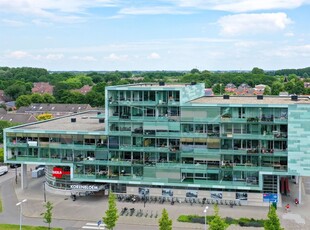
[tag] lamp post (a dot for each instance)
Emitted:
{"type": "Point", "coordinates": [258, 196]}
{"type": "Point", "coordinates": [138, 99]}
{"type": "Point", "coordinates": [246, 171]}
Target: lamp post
{"type": "Point", "coordinates": [21, 211]}
{"type": "Point", "coordinates": [205, 212]}
{"type": "Point", "coordinates": [44, 192]}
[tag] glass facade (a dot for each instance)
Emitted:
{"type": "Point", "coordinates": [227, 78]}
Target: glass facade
{"type": "Point", "coordinates": [173, 137]}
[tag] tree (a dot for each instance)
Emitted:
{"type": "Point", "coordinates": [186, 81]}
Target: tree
{"type": "Point", "coordinates": [44, 116]}
{"type": "Point", "coordinates": [17, 89]}
{"type": "Point", "coordinates": [164, 222]}
{"type": "Point", "coordinates": [48, 98]}
{"type": "Point", "coordinates": [257, 70]}
{"type": "Point", "coordinates": [47, 215]}
{"type": "Point", "coordinates": [276, 88]}
{"type": "Point", "coordinates": [37, 98]}
{"type": "Point", "coordinates": [217, 223]}
{"type": "Point", "coordinates": [4, 125]}
{"type": "Point", "coordinates": [218, 88]}
{"type": "Point", "coordinates": [267, 90]}
{"type": "Point", "coordinates": [1, 155]}
{"type": "Point", "coordinates": [111, 215]}
{"type": "Point", "coordinates": [23, 100]}
{"type": "Point", "coordinates": [273, 222]}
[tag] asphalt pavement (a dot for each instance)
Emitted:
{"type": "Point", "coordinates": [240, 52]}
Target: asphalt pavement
{"type": "Point", "coordinates": [85, 212]}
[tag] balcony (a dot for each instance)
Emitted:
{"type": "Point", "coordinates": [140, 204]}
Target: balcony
{"type": "Point", "coordinates": [17, 144]}
{"type": "Point", "coordinates": [143, 148]}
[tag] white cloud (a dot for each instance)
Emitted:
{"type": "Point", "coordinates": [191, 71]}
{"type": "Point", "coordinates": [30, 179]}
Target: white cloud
{"type": "Point", "coordinates": [54, 57]}
{"type": "Point", "coordinates": [233, 25]}
{"type": "Point", "coordinates": [250, 5]}
{"type": "Point", "coordinates": [240, 5]}
{"type": "Point", "coordinates": [18, 54]}
{"type": "Point", "coordinates": [153, 56]}
{"type": "Point", "coordinates": [152, 10]}
{"type": "Point", "coordinates": [13, 23]}
{"type": "Point", "coordinates": [55, 10]}
{"type": "Point", "coordinates": [115, 57]}
{"type": "Point", "coordinates": [292, 51]}
{"type": "Point", "coordinates": [86, 58]}
{"type": "Point", "coordinates": [289, 34]}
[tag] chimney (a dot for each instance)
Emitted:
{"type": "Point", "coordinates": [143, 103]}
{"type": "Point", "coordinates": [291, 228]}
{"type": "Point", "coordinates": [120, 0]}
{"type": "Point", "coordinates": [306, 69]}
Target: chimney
{"type": "Point", "coordinates": [73, 119]}
{"type": "Point", "coordinates": [225, 96]}
{"type": "Point", "coordinates": [260, 97]}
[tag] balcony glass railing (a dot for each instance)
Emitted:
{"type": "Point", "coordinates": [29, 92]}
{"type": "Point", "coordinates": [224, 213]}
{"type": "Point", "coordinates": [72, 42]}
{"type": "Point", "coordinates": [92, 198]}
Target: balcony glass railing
{"type": "Point", "coordinates": [17, 144]}
{"type": "Point", "coordinates": [144, 149]}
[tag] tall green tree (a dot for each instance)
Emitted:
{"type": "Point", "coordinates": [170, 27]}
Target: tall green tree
{"type": "Point", "coordinates": [273, 222]}
{"type": "Point", "coordinates": [257, 70]}
{"type": "Point", "coordinates": [111, 215]}
{"type": "Point", "coordinates": [164, 222]}
{"type": "Point", "coordinates": [47, 215]}
{"type": "Point", "coordinates": [23, 100]}
{"type": "Point", "coordinates": [217, 223]}
{"type": "Point", "coordinates": [37, 98]}
{"type": "Point", "coordinates": [218, 88]}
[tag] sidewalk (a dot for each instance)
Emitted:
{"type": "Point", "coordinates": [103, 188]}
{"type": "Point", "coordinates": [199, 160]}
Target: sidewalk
{"type": "Point", "coordinates": [92, 208]}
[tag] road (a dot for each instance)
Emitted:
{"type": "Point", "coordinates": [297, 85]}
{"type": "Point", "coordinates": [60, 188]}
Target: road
{"type": "Point", "coordinates": [86, 211]}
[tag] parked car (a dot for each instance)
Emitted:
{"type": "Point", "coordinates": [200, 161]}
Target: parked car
{"type": "Point", "coordinates": [15, 165]}
{"type": "Point", "coordinates": [3, 170]}
{"type": "Point", "coordinates": [40, 166]}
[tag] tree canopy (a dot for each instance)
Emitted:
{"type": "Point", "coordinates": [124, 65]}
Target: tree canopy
{"type": "Point", "coordinates": [111, 215]}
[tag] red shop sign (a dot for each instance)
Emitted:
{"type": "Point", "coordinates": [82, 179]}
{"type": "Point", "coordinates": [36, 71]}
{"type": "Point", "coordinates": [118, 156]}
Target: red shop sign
{"type": "Point", "coordinates": [58, 172]}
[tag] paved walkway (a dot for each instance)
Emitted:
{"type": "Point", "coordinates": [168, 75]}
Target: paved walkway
{"type": "Point", "coordinates": [92, 208]}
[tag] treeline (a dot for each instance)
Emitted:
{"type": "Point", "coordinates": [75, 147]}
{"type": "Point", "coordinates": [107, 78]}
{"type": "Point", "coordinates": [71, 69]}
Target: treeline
{"type": "Point", "coordinates": [18, 82]}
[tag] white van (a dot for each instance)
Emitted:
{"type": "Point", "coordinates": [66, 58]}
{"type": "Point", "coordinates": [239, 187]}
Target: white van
{"type": "Point", "coordinates": [3, 170]}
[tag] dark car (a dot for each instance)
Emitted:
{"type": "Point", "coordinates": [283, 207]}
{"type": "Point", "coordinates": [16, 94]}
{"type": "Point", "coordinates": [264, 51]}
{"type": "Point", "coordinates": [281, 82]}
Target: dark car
{"type": "Point", "coordinates": [12, 166]}
{"type": "Point", "coordinates": [40, 166]}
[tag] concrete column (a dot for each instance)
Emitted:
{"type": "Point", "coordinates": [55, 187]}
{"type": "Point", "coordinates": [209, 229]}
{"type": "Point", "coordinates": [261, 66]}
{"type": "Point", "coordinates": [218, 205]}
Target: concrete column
{"type": "Point", "coordinates": [23, 172]}
{"type": "Point", "coordinates": [299, 189]}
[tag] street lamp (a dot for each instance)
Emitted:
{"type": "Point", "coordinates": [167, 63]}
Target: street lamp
{"type": "Point", "coordinates": [21, 211]}
{"type": "Point", "coordinates": [44, 192]}
{"type": "Point", "coordinates": [205, 212]}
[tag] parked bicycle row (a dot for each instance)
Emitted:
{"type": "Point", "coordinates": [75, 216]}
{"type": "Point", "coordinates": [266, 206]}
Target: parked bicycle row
{"type": "Point", "coordinates": [173, 200]}
{"type": "Point", "coordinates": [138, 213]}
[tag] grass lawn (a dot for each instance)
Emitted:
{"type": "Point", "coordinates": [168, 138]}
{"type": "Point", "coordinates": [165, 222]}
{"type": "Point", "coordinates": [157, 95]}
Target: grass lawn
{"type": "Point", "coordinates": [25, 227]}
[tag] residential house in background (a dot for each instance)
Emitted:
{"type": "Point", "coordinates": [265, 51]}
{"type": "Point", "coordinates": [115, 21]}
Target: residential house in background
{"type": "Point", "coordinates": [18, 118]}
{"type": "Point", "coordinates": [84, 90]}
{"type": "Point", "coordinates": [42, 87]}
{"type": "Point", "coordinates": [259, 89]}
{"type": "Point", "coordinates": [55, 109]}
{"type": "Point", "coordinates": [209, 92]}
{"type": "Point", "coordinates": [244, 90]}
{"type": "Point", "coordinates": [230, 88]}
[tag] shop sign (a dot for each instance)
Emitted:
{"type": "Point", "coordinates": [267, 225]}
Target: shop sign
{"type": "Point", "coordinates": [59, 172]}
{"type": "Point", "coordinates": [85, 187]}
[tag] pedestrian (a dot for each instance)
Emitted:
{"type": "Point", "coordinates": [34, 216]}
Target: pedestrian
{"type": "Point", "coordinates": [287, 207]}
{"type": "Point", "coordinates": [296, 201]}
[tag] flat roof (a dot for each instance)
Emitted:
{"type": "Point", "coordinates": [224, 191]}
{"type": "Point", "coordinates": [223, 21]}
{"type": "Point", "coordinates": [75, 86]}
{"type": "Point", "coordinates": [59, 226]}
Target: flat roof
{"type": "Point", "coordinates": [85, 121]}
{"type": "Point", "coordinates": [276, 100]}
{"type": "Point", "coordinates": [153, 85]}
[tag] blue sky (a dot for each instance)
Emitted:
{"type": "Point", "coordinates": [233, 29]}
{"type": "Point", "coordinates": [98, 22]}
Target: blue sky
{"type": "Point", "coordinates": [155, 35]}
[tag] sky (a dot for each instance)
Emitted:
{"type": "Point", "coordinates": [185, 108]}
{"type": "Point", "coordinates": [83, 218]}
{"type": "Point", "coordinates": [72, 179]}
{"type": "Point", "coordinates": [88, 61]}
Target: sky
{"type": "Point", "coordinates": [109, 35]}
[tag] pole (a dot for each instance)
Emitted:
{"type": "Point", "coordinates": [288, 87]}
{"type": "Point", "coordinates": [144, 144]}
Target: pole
{"type": "Point", "coordinates": [205, 212]}
{"type": "Point", "coordinates": [21, 211]}
{"type": "Point", "coordinates": [44, 191]}
{"type": "Point", "coordinates": [20, 217]}
{"type": "Point", "coordinates": [15, 174]}
{"type": "Point", "coordinates": [144, 199]}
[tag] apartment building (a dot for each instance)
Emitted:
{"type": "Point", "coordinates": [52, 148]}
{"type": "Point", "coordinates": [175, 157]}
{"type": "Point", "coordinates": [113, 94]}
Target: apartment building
{"type": "Point", "coordinates": [171, 140]}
